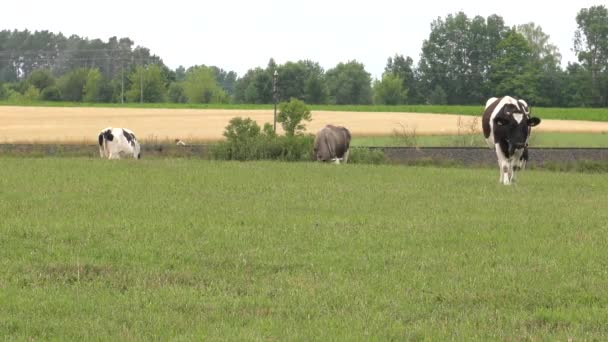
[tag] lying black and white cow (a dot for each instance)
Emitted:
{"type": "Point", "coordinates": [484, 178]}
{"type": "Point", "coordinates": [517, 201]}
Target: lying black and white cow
{"type": "Point", "coordinates": [332, 144]}
{"type": "Point", "coordinates": [506, 126]}
{"type": "Point", "coordinates": [116, 141]}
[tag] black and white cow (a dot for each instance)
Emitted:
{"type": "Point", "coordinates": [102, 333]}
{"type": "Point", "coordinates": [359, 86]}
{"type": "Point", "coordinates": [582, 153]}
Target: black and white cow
{"type": "Point", "coordinates": [332, 144]}
{"type": "Point", "coordinates": [506, 126]}
{"type": "Point", "coordinates": [116, 141]}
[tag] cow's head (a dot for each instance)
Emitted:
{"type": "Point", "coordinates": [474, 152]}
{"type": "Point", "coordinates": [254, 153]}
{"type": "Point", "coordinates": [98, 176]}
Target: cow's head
{"type": "Point", "coordinates": [321, 152]}
{"type": "Point", "coordinates": [512, 125]}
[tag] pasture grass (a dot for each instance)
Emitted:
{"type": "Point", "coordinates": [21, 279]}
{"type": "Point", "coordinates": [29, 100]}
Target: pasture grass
{"type": "Point", "coordinates": [538, 139]}
{"type": "Point", "coordinates": [201, 250]}
{"type": "Point", "coordinates": [589, 114]}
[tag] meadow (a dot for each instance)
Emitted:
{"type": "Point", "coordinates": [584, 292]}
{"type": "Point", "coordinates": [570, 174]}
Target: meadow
{"type": "Point", "coordinates": [202, 250]}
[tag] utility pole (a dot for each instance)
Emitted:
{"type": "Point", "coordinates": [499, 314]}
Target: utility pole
{"type": "Point", "coordinates": [122, 82]}
{"type": "Point", "coordinates": [275, 96]}
{"type": "Point", "coordinates": [141, 85]}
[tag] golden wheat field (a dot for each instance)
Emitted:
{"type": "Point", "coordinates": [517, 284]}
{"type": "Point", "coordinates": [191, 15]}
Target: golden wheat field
{"type": "Point", "coordinates": [77, 124]}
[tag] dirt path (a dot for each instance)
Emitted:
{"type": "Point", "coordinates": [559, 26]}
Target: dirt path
{"type": "Point", "coordinates": [73, 124]}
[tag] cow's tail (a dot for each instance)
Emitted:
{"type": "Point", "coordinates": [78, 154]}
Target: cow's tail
{"type": "Point", "coordinates": [102, 142]}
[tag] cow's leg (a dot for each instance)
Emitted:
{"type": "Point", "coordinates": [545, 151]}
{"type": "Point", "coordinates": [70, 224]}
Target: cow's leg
{"type": "Point", "coordinates": [114, 155]}
{"type": "Point", "coordinates": [503, 165]}
{"type": "Point", "coordinates": [337, 160]}
{"type": "Point", "coordinates": [346, 156]}
{"type": "Point", "coordinates": [515, 163]}
{"type": "Point", "coordinates": [102, 154]}
{"type": "Point", "coordinates": [511, 171]}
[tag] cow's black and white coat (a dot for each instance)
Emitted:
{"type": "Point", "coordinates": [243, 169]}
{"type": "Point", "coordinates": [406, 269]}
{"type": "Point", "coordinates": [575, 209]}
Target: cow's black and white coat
{"type": "Point", "coordinates": [507, 124]}
{"type": "Point", "coordinates": [116, 141]}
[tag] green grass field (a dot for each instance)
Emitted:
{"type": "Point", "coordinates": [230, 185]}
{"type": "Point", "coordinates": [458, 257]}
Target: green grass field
{"type": "Point", "coordinates": [197, 250]}
{"type": "Point", "coordinates": [590, 114]}
{"type": "Point", "coordinates": [539, 139]}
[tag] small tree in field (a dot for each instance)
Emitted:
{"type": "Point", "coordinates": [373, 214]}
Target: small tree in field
{"type": "Point", "coordinates": [240, 130]}
{"type": "Point", "coordinates": [291, 115]}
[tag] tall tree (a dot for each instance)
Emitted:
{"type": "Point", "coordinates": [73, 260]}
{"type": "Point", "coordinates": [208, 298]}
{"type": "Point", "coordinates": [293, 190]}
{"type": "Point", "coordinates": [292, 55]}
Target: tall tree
{"type": "Point", "coordinates": [349, 83]}
{"type": "Point", "coordinates": [456, 56]}
{"type": "Point", "coordinates": [516, 71]}
{"type": "Point", "coordinates": [147, 85]}
{"type": "Point", "coordinates": [254, 87]}
{"type": "Point", "coordinates": [389, 91]}
{"type": "Point", "coordinates": [403, 68]}
{"type": "Point", "coordinates": [539, 43]}
{"type": "Point", "coordinates": [201, 86]}
{"type": "Point", "coordinates": [591, 47]}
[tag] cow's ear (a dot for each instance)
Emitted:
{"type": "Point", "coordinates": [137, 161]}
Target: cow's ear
{"type": "Point", "coordinates": [533, 121]}
{"type": "Point", "coordinates": [501, 121]}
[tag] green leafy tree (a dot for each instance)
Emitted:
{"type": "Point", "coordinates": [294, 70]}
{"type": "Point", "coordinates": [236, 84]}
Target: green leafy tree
{"type": "Point", "coordinates": [51, 93]}
{"type": "Point", "coordinates": [292, 80]}
{"type": "Point", "coordinates": [291, 115]}
{"type": "Point", "coordinates": [389, 91]}
{"type": "Point", "coordinates": [96, 87]}
{"type": "Point", "coordinates": [576, 88]}
{"type": "Point", "coordinates": [71, 85]}
{"type": "Point", "coordinates": [225, 79]}
{"type": "Point", "coordinates": [403, 68]}
{"type": "Point", "coordinates": [457, 55]}
{"type": "Point", "coordinates": [516, 71]}
{"type": "Point", "coordinates": [591, 47]}
{"type": "Point", "coordinates": [31, 94]}
{"type": "Point", "coordinates": [254, 87]}
{"type": "Point", "coordinates": [180, 73]}
{"type": "Point", "coordinates": [176, 93]}
{"type": "Point", "coordinates": [539, 44]}
{"type": "Point", "coordinates": [3, 92]}
{"type": "Point", "coordinates": [240, 130]}
{"type": "Point", "coordinates": [438, 96]}
{"type": "Point", "coordinates": [147, 85]}
{"type": "Point", "coordinates": [41, 79]}
{"type": "Point", "coordinates": [349, 83]}
{"type": "Point", "coordinates": [200, 86]}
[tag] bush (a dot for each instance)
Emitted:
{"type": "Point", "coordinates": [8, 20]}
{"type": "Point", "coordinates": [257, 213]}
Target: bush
{"type": "Point", "coordinates": [291, 115]}
{"type": "Point", "coordinates": [264, 147]}
{"type": "Point", "coordinates": [3, 92]}
{"type": "Point", "coordinates": [51, 93]}
{"type": "Point", "coordinates": [362, 155]}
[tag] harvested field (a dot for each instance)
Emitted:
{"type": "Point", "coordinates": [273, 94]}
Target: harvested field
{"type": "Point", "coordinates": [73, 124]}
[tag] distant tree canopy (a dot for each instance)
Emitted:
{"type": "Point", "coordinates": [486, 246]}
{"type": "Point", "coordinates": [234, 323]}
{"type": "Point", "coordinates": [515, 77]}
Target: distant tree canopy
{"type": "Point", "coordinates": [465, 60]}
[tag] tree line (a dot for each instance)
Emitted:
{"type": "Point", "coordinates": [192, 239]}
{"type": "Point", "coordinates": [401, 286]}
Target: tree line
{"type": "Point", "coordinates": [464, 61]}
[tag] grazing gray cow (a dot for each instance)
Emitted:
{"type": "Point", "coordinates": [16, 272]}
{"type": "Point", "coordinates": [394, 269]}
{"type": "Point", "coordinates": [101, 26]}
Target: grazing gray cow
{"type": "Point", "coordinates": [332, 144]}
{"type": "Point", "coordinates": [506, 126]}
{"type": "Point", "coordinates": [116, 141]}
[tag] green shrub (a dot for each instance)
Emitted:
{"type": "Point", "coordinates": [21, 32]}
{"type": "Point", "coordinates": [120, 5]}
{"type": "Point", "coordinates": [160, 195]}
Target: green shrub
{"type": "Point", "coordinates": [51, 93]}
{"type": "Point", "coordinates": [291, 115]}
{"type": "Point", "coordinates": [284, 148]}
{"type": "Point", "coordinates": [362, 155]}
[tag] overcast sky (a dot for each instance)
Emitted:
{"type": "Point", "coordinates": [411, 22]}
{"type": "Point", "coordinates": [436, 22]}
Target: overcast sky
{"type": "Point", "coordinates": [243, 34]}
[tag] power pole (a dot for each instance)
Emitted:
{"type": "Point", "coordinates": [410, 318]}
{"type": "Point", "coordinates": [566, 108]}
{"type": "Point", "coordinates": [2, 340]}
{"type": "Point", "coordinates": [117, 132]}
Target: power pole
{"type": "Point", "coordinates": [275, 96]}
{"type": "Point", "coordinates": [141, 85]}
{"type": "Point", "coordinates": [122, 82]}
